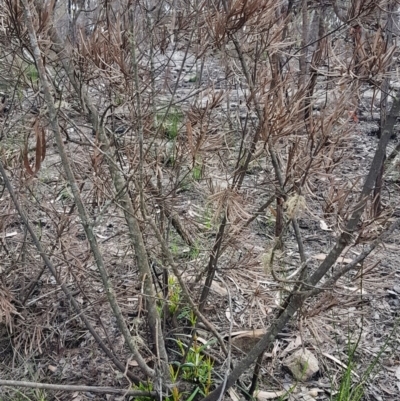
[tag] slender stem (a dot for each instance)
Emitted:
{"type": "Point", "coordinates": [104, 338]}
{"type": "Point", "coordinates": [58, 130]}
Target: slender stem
{"type": "Point", "coordinates": [183, 286]}
{"type": "Point", "coordinates": [70, 387]}
{"type": "Point", "coordinates": [53, 271]}
{"type": "Point", "coordinates": [84, 217]}
{"type": "Point", "coordinates": [296, 300]}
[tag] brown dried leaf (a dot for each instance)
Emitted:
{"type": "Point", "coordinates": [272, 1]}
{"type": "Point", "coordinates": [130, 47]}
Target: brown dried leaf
{"type": "Point", "coordinates": [40, 152]}
{"type": "Point", "coordinates": [269, 395]}
{"type": "Point", "coordinates": [189, 133]}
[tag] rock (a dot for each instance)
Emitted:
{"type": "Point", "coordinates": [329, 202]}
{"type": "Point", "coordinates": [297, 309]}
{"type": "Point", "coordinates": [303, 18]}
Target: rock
{"type": "Point", "coordinates": [302, 364]}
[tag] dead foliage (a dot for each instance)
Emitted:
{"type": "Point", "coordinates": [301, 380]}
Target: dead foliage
{"type": "Point", "coordinates": [152, 151]}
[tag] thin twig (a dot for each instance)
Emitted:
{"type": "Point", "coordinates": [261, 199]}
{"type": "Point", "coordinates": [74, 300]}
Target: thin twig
{"type": "Point", "coordinates": [183, 286]}
{"type": "Point", "coordinates": [229, 355]}
{"type": "Point", "coordinates": [83, 214]}
{"type": "Point", "coordinates": [77, 388]}
{"type": "Point", "coordinates": [53, 271]}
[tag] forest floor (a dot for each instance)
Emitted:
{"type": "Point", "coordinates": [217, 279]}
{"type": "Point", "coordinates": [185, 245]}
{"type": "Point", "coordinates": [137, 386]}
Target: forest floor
{"type": "Point", "coordinates": [361, 314]}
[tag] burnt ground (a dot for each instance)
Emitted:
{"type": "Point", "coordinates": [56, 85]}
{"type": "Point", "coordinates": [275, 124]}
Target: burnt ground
{"type": "Point", "coordinates": [44, 341]}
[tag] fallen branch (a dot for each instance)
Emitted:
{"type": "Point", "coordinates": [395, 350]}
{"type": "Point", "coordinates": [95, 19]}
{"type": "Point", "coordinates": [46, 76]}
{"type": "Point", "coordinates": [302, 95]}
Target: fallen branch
{"type": "Point", "coordinates": [70, 387]}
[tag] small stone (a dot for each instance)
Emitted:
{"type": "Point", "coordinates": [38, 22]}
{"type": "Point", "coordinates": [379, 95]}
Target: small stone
{"type": "Point", "coordinates": [302, 364]}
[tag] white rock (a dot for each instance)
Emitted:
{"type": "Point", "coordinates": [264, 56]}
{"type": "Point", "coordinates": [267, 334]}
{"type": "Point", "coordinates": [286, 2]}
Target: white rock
{"type": "Point", "coordinates": [302, 364]}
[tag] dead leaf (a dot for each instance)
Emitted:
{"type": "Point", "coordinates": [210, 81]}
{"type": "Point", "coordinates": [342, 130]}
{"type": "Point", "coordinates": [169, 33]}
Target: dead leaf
{"type": "Point", "coordinates": [52, 368]}
{"type": "Point", "coordinates": [291, 346]}
{"type": "Point", "coordinates": [273, 211]}
{"type": "Point", "coordinates": [249, 333]}
{"type": "Point", "coordinates": [344, 366]}
{"type": "Point", "coordinates": [322, 256]}
{"type": "Point", "coordinates": [40, 149]}
{"type": "Point", "coordinates": [14, 233]}
{"type": "Point", "coordinates": [218, 289]}
{"type": "Point", "coordinates": [319, 256]}
{"type": "Point", "coordinates": [189, 133]}
{"type": "Point", "coordinates": [324, 226]}
{"type": "Point", "coordinates": [101, 236]}
{"type": "Point", "coordinates": [203, 341]}
{"type": "Point", "coordinates": [314, 392]}
{"type": "Point", "coordinates": [344, 260]}
{"type": "Point", "coordinates": [236, 333]}
{"type": "Point", "coordinates": [268, 395]}
{"type": "Point", "coordinates": [233, 394]}
{"type": "Point", "coordinates": [386, 390]}
{"type": "Point", "coordinates": [76, 396]}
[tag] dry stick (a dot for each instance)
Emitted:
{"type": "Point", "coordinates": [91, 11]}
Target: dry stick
{"type": "Point", "coordinates": [236, 182]}
{"type": "Point", "coordinates": [349, 266]}
{"type": "Point", "coordinates": [212, 263]}
{"type": "Point", "coordinates": [135, 234]}
{"type": "Point", "coordinates": [87, 225]}
{"type": "Point", "coordinates": [271, 150]}
{"type": "Point", "coordinates": [33, 284]}
{"type": "Point", "coordinates": [70, 387]}
{"type": "Point", "coordinates": [278, 173]}
{"type": "Point", "coordinates": [304, 41]}
{"type": "Point", "coordinates": [388, 32]}
{"type": "Point", "coordinates": [64, 288]}
{"type": "Point", "coordinates": [239, 177]}
{"type": "Point", "coordinates": [185, 290]}
{"type": "Point", "coordinates": [134, 228]}
{"type": "Point", "coordinates": [260, 210]}
{"type": "Point", "coordinates": [254, 379]}
{"type": "Point", "coordinates": [368, 187]}
{"type": "Point", "coordinates": [303, 265]}
{"type": "Point", "coordinates": [339, 12]}
{"type": "Point", "coordinates": [138, 99]}
{"type": "Point", "coordinates": [241, 173]}
{"type": "Point", "coordinates": [173, 102]}
{"type": "Point", "coordinates": [167, 254]}
{"type": "Point", "coordinates": [273, 156]}
{"type": "Point", "coordinates": [296, 300]}
{"type": "Point", "coordinates": [254, 141]}
{"type": "Point", "coordinates": [171, 214]}
{"type": "Point", "coordinates": [229, 356]}
{"type": "Point", "coordinates": [211, 268]}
